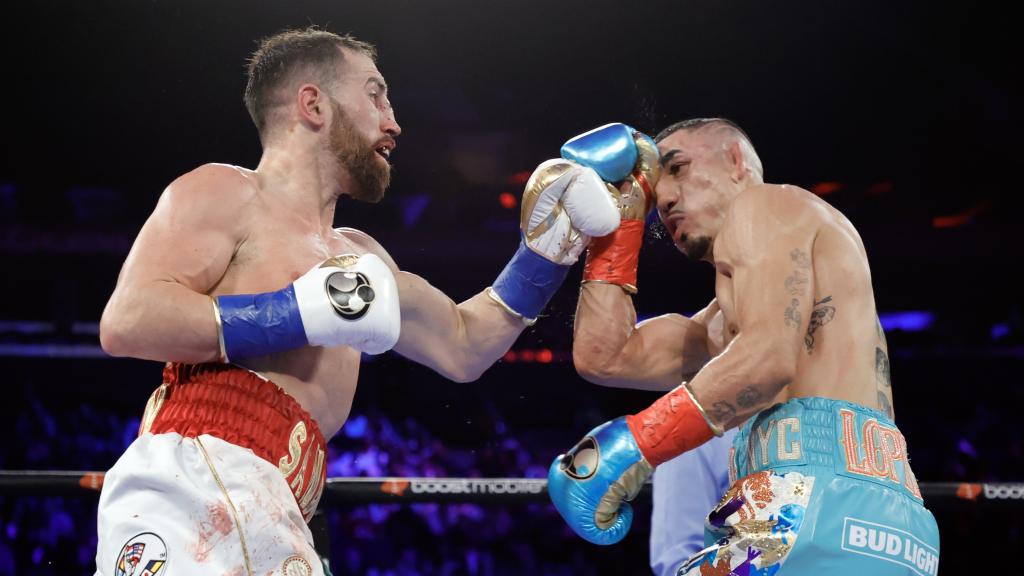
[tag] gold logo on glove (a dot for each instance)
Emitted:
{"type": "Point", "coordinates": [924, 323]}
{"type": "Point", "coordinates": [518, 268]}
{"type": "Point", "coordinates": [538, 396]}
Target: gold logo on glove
{"type": "Point", "coordinates": [343, 261]}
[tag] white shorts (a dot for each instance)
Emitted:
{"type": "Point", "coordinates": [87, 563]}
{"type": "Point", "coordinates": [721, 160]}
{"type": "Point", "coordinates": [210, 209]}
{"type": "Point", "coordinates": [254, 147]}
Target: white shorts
{"type": "Point", "coordinates": [174, 506]}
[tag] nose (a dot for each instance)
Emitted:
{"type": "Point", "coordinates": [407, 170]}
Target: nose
{"type": "Point", "coordinates": [666, 197]}
{"type": "Point", "coordinates": [389, 125]}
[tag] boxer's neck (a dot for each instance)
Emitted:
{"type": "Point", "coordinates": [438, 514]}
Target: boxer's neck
{"type": "Point", "coordinates": [301, 181]}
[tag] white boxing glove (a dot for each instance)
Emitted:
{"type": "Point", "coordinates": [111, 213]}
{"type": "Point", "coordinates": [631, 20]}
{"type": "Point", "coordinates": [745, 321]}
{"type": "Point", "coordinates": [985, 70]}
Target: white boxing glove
{"type": "Point", "coordinates": [346, 300]}
{"type": "Point", "coordinates": [350, 300]}
{"type": "Point", "coordinates": [564, 205]}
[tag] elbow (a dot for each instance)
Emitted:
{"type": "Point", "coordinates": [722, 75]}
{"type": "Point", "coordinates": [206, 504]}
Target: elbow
{"type": "Point", "coordinates": [462, 372]}
{"type": "Point", "coordinates": [112, 339]}
{"type": "Point", "coordinates": [594, 358]}
{"type": "Point", "coordinates": [464, 376]}
{"type": "Point", "coordinates": [115, 337]}
{"type": "Point", "coordinates": [593, 368]}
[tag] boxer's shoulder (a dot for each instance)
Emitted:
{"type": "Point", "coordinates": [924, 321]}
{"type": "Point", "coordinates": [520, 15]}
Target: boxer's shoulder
{"type": "Point", "coordinates": [214, 186]}
{"type": "Point", "coordinates": [365, 244]}
{"type": "Point", "coordinates": [766, 211]}
{"type": "Point", "coordinates": [783, 200]}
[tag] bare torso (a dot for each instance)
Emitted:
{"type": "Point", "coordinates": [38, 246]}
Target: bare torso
{"type": "Point", "coordinates": [276, 251]}
{"type": "Point", "coordinates": [844, 355]}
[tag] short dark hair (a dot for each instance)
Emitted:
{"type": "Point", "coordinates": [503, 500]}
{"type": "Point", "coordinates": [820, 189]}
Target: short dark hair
{"type": "Point", "coordinates": [281, 56]}
{"type": "Point", "coordinates": [698, 123]}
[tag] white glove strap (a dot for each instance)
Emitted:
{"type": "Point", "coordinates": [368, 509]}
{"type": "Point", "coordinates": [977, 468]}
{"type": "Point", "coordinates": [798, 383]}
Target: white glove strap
{"type": "Point", "coordinates": [350, 300]}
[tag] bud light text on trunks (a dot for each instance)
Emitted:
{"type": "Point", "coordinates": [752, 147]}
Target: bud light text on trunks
{"type": "Point", "coordinates": [891, 545]}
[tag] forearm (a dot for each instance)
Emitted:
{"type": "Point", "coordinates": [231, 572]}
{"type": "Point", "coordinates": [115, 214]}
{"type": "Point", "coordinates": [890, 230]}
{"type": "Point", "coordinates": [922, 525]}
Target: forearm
{"type": "Point", "coordinates": [487, 332]}
{"type": "Point", "coordinates": [459, 341]}
{"type": "Point", "coordinates": [740, 382]}
{"type": "Point", "coordinates": [610, 349]}
{"type": "Point", "coordinates": [160, 320]}
{"type": "Point", "coordinates": [605, 318]}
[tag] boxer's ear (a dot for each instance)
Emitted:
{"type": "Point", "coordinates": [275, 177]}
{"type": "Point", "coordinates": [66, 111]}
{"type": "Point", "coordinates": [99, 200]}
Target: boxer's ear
{"type": "Point", "coordinates": [737, 164]}
{"type": "Point", "coordinates": [312, 104]}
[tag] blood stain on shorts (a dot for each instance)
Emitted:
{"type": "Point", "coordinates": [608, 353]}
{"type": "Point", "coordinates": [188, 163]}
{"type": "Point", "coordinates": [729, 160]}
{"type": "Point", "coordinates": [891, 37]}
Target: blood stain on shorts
{"type": "Point", "coordinates": [220, 518]}
{"type": "Point", "coordinates": [212, 530]}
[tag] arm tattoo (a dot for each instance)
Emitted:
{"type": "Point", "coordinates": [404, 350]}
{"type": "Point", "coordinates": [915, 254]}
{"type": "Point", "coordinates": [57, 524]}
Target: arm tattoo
{"type": "Point", "coordinates": [796, 285]}
{"type": "Point", "coordinates": [749, 397]}
{"type": "Point", "coordinates": [820, 316]}
{"type": "Point", "coordinates": [793, 316]}
{"type": "Point", "coordinates": [800, 258]}
{"type": "Point", "coordinates": [722, 411]}
{"type": "Point", "coordinates": [883, 381]}
{"type": "Point", "coordinates": [884, 405]}
{"type": "Point", "coordinates": [882, 368]}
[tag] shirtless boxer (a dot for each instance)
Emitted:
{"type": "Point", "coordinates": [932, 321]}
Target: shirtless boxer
{"type": "Point", "coordinates": [824, 483]}
{"type": "Point", "coordinates": [261, 308]}
{"type": "Point", "coordinates": [687, 486]}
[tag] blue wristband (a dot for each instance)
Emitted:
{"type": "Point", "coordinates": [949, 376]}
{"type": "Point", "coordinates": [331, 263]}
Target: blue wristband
{"type": "Point", "coordinates": [528, 282]}
{"type": "Point", "coordinates": [258, 324]}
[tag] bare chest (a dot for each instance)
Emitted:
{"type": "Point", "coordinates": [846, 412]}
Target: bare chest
{"type": "Point", "coordinates": [323, 380]}
{"type": "Point", "coordinates": [275, 255]}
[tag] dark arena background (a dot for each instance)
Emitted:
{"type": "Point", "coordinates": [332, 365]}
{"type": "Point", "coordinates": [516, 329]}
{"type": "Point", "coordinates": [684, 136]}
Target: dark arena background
{"type": "Point", "coordinates": [900, 114]}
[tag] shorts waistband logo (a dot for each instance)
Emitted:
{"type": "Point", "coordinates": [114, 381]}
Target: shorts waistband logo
{"type": "Point", "coordinates": [762, 452]}
{"type": "Point", "coordinates": [875, 452]}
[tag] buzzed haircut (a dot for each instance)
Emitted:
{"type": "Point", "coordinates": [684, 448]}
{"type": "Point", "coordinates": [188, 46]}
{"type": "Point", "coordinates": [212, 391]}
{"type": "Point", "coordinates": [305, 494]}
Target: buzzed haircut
{"type": "Point", "coordinates": [746, 144]}
{"type": "Point", "coordinates": [697, 124]}
{"type": "Point", "coordinates": [282, 56]}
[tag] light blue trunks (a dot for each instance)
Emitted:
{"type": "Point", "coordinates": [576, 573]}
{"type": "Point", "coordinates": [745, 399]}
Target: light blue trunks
{"type": "Point", "coordinates": [825, 487]}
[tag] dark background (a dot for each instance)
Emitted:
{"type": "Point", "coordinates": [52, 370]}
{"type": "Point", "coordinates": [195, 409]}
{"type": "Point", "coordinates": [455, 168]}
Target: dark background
{"type": "Point", "coordinates": [902, 115]}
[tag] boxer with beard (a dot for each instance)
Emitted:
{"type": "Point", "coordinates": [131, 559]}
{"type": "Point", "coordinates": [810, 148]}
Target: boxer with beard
{"type": "Point", "coordinates": [261, 309]}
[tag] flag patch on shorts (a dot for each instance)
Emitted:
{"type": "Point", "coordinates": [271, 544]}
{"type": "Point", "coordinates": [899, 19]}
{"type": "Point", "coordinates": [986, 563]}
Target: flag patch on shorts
{"type": "Point", "coordinates": [142, 555]}
{"type": "Point", "coordinates": [890, 544]}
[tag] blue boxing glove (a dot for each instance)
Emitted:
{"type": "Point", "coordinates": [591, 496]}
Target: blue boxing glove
{"type": "Point", "coordinates": [346, 300]}
{"type": "Point", "coordinates": [590, 484]}
{"type": "Point", "coordinates": [610, 150]}
{"type": "Point", "coordinates": [566, 202]}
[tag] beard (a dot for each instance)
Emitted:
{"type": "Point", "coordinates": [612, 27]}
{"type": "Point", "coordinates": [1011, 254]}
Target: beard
{"type": "Point", "coordinates": [355, 153]}
{"type": "Point", "coordinates": [695, 248]}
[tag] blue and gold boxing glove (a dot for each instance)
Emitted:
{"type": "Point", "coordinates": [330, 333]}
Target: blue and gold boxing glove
{"type": "Point", "coordinates": [591, 483]}
{"type": "Point", "coordinates": [566, 202]}
{"type": "Point", "coordinates": [613, 259]}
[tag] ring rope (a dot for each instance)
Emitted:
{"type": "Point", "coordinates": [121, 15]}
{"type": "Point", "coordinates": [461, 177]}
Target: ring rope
{"type": "Point", "coordinates": [456, 490]}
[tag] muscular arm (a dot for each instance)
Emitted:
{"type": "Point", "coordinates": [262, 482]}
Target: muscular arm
{"type": "Point", "coordinates": [159, 309]}
{"type": "Point", "coordinates": [458, 341]}
{"type": "Point", "coordinates": [610, 349]}
{"type": "Point", "coordinates": [767, 242]}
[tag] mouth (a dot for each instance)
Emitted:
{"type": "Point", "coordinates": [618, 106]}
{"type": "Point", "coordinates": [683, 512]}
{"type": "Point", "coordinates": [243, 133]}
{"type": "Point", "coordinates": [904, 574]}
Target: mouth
{"type": "Point", "coordinates": [674, 224]}
{"type": "Point", "coordinates": [384, 148]}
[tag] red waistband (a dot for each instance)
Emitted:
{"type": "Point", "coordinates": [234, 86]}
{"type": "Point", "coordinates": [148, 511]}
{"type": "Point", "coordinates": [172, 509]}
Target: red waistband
{"type": "Point", "coordinates": [242, 408]}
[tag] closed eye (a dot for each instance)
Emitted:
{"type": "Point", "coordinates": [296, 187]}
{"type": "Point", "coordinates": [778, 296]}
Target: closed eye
{"type": "Point", "coordinates": [676, 168]}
